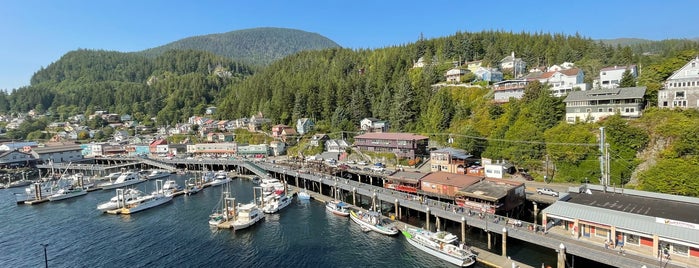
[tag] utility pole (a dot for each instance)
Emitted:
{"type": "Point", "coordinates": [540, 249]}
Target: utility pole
{"type": "Point", "coordinates": [604, 159]}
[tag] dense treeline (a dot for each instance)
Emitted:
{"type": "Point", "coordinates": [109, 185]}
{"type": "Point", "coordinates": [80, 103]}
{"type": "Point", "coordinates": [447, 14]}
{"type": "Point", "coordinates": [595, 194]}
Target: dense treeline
{"type": "Point", "coordinates": [256, 47]}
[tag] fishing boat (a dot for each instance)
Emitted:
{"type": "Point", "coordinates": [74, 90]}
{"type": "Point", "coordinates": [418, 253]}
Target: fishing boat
{"type": "Point", "coordinates": [207, 177]}
{"type": "Point", "coordinates": [246, 215]}
{"type": "Point", "coordinates": [40, 190]}
{"type": "Point", "coordinates": [125, 179]}
{"type": "Point", "coordinates": [192, 187]}
{"type": "Point", "coordinates": [68, 192]}
{"type": "Point", "coordinates": [274, 203]}
{"type": "Point", "coordinates": [147, 201]}
{"type": "Point", "coordinates": [19, 183]}
{"type": "Point", "coordinates": [157, 174]}
{"type": "Point", "coordinates": [373, 221]}
{"type": "Point", "coordinates": [256, 180]}
{"type": "Point", "coordinates": [303, 195]}
{"type": "Point", "coordinates": [337, 207]}
{"type": "Point", "coordinates": [441, 245]}
{"type": "Point", "coordinates": [128, 196]}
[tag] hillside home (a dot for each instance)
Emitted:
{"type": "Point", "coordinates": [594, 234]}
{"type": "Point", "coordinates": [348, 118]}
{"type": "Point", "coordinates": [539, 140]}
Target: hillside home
{"type": "Point", "coordinates": [449, 160]}
{"type": "Point", "coordinates": [564, 66]}
{"type": "Point", "coordinates": [563, 81]}
{"type": "Point", "coordinates": [277, 147]}
{"type": "Point", "coordinates": [610, 77]}
{"type": "Point", "coordinates": [256, 122]}
{"type": "Point", "coordinates": [370, 124]}
{"type": "Point", "coordinates": [516, 65]}
{"type": "Point", "coordinates": [593, 105]}
{"type": "Point", "coordinates": [318, 139]}
{"type": "Point", "coordinates": [681, 89]}
{"type": "Point", "coordinates": [474, 65]}
{"type": "Point", "coordinates": [488, 74]}
{"type": "Point", "coordinates": [304, 125]}
{"type": "Point", "coordinates": [210, 110]}
{"type": "Point", "coordinates": [509, 89]}
{"type": "Point", "coordinates": [403, 145]}
{"type": "Point", "coordinates": [336, 146]}
{"type": "Point", "coordinates": [454, 75]}
{"type": "Point", "coordinates": [277, 130]}
{"type": "Point", "coordinates": [497, 169]}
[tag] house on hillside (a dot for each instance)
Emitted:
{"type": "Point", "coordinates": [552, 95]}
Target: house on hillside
{"type": "Point", "coordinates": [516, 65]}
{"type": "Point", "coordinates": [454, 75]}
{"type": "Point", "coordinates": [610, 77]}
{"type": "Point", "coordinates": [256, 122]}
{"type": "Point", "coordinates": [210, 110]}
{"type": "Point", "coordinates": [488, 74]}
{"type": "Point", "coordinates": [370, 124]}
{"type": "Point", "coordinates": [593, 105]}
{"type": "Point", "coordinates": [505, 90]}
{"type": "Point", "coordinates": [474, 65]}
{"type": "Point", "coordinates": [681, 89]}
{"type": "Point", "coordinates": [304, 125]}
{"type": "Point", "coordinates": [450, 160]}
{"type": "Point", "coordinates": [563, 81]}
{"type": "Point", "coordinates": [319, 139]}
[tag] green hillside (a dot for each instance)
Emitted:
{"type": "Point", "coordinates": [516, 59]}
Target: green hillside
{"type": "Point", "coordinates": [257, 46]}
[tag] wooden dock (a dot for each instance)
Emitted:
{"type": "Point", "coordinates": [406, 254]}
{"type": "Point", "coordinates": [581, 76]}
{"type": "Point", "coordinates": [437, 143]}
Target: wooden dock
{"type": "Point", "coordinates": [36, 201]}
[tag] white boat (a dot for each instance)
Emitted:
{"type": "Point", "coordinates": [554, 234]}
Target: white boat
{"type": "Point", "coordinates": [129, 196]}
{"type": "Point", "coordinates": [148, 201]}
{"type": "Point", "coordinates": [373, 221]}
{"type": "Point", "coordinates": [192, 187]}
{"type": "Point", "coordinates": [303, 195]}
{"type": "Point", "coordinates": [19, 183]}
{"type": "Point", "coordinates": [219, 181]}
{"type": "Point", "coordinates": [68, 192]}
{"type": "Point", "coordinates": [158, 174]}
{"type": "Point", "coordinates": [246, 215]}
{"type": "Point", "coordinates": [337, 207]}
{"type": "Point", "coordinates": [438, 245]}
{"type": "Point", "coordinates": [275, 203]}
{"type": "Point", "coordinates": [169, 188]}
{"type": "Point", "coordinates": [256, 180]}
{"type": "Point", "coordinates": [125, 179]}
{"type": "Point", "coordinates": [112, 176]}
{"type": "Point", "coordinates": [45, 189]}
{"type": "Point", "coordinates": [207, 177]}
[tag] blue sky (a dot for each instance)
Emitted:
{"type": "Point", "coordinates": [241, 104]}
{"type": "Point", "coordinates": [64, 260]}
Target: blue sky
{"type": "Point", "coordinates": [36, 33]}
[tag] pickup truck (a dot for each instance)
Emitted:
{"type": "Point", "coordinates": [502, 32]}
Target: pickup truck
{"type": "Point", "coordinates": [547, 191]}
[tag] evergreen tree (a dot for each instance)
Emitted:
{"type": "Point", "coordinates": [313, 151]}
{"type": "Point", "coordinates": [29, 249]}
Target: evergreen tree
{"type": "Point", "coordinates": [627, 79]}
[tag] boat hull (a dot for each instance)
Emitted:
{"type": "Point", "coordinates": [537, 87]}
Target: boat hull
{"type": "Point", "coordinates": [278, 206]}
{"type": "Point", "coordinates": [332, 207]}
{"type": "Point", "coordinates": [58, 197]}
{"type": "Point", "coordinates": [119, 185]}
{"type": "Point", "coordinates": [147, 204]}
{"type": "Point", "coordinates": [239, 225]}
{"type": "Point", "coordinates": [303, 196]}
{"type": "Point", "coordinates": [462, 262]}
{"type": "Point", "coordinates": [373, 227]}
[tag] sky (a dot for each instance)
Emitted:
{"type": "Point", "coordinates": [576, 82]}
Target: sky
{"type": "Point", "coordinates": [35, 33]}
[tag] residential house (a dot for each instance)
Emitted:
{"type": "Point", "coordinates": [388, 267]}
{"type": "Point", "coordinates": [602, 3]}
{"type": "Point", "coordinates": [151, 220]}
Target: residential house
{"type": "Point", "coordinates": [509, 89]}
{"type": "Point", "coordinates": [488, 74]}
{"type": "Point", "coordinates": [450, 160]}
{"type": "Point", "coordinates": [593, 105]}
{"type": "Point", "coordinates": [473, 66]}
{"type": "Point", "coordinates": [318, 139]}
{"type": "Point", "coordinates": [304, 125]}
{"type": "Point", "coordinates": [64, 153]}
{"type": "Point", "coordinates": [681, 89]}
{"type": "Point", "coordinates": [238, 123]}
{"type": "Point", "coordinates": [220, 137]}
{"type": "Point", "coordinates": [564, 66]}
{"type": "Point", "coordinates": [15, 159]}
{"type": "Point", "coordinates": [563, 81]}
{"type": "Point", "coordinates": [454, 75]}
{"type": "Point", "coordinates": [158, 146]}
{"type": "Point", "coordinates": [610, 77]}
{"type": "Point", "coordinates": [289, 134]}
{"type": "Point", "coordinates": [370, 124]}
{"type": "Point", "coordinates": [445, 184]}
{"type": "Point", "coordinates": [336, 146]}
{"type": "Point", "coordinates": [277, 130]}
{"type": "Point", "coordinates": [277, 147]}
{"type": "Point", "coordinates": [256, 122]}
{"type": "Point", "coordinates": [495, 196]}
{"type": "Point", "coordinates": [497, 169]}
{"type": "Point", "coordinates": [403, 145]}
{"type": "Point", "coordinates": [516, 65]}
{"type": "Point", "coordinates": [121, 135]}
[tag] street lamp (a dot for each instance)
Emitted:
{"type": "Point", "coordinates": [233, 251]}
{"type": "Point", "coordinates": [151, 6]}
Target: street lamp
{"type": "Point", "coordinates": [46, 259]}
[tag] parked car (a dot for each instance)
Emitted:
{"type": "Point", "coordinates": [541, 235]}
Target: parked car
{"type": "Point", "coordinates": [547, 191]}
{"type": "Point", "coordinates": [361, 163]}
{"type": "Point", "coordinates": [343, 166]}
{"type": "Point", "coordinates": [351, 162]}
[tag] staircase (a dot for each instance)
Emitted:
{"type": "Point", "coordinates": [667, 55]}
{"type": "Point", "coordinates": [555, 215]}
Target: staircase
{"type": "Point", "coordinates": [159, 164]}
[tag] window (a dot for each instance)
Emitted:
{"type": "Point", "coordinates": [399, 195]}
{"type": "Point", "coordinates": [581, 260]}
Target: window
{"type": "Point", "coordinates": [679, 249]}
{"type": "Point", "coordinates": [629, 110]}
{"type": "Point", "coordinates": [611, 110]}
{"type": "Point", "coordinates": [601, 232]}
{"type": "Point", "coordinates": [599, 110]}
{"type": "Point", "coordinates": [664, 103]}
{"type": "Point", "coordinates": [632, 239]}
{"type": "Point", "coordinates": [589, 110]}
{"type": "Point", "coordinates": [679, 95]}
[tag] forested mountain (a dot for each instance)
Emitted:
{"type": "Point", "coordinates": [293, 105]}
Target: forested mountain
{"type": "Point", "coordinates": [170, 87]}
{"type": "Point", "coordinates": [337, 87]}
{"type": "Point", "coordinates": [257, 46]}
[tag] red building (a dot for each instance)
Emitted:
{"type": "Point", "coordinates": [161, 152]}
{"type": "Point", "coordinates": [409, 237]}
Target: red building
{"type": "Point", "coordinates": [404, 181]}
{"type": "Point", "coordinates": [446, 184]}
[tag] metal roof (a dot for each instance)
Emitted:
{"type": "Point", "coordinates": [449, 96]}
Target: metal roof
{"type": "Point", "coordinates": [607, 94]}
{"type": "Point", "coordinates": [455, 153]}
{"type": "Point", "coordinates": [623, 221]}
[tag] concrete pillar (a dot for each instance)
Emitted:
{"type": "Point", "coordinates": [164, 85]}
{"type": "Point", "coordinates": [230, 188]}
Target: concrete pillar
{"type": "Point", "coordinates": [561, 256]}
{"type": "Point", "coordinates": [504, 241]}
{"type": "Point", "coordinates": [373, 202]}
{"type": "Point", "coordinates": [489, 239]}
{"type": "Point", "coordinates": [576, 228]}
{"type": "Point", "coordinates": [354, 196]}
{"type": "Point", "coordinates": [536, 212]}
{"type": "Point", "coordinates": [427, 218]}
{"type": "Point", "coordinates": [543, 222]}
{"type": "Point", "coordinates": [656, 246]}
{"type": "Point", "coordinates": [395, 205]}
{"type": "Point", "coordinates": [463, 229]}
{"type": "Point", "coordinates": [612, 233]}
{"type": "Point", "coordinates": [371, 180]}
{"type": "Point", "coordinates": [297, 181]}
{"type": "Point", "coordinates": [438, 223]}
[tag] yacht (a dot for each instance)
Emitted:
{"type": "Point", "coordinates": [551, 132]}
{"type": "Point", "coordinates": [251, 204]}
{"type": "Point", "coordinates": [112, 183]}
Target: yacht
{"type": "Point", "coordinates": [158, 174]}
{"type": "Point", "coordinates": [275, 203]}
{"type": "Point", "coordinates": [125, 179]}
{"type": "Point", "coordinates": [148, 201]}
{"type": "Point", "coordinates": [128, 196]}
{"type": "Point", "coordinates": [246, 215]}
{"type": "Point", "coordinates": [169, 188]}
{"type": "Point", "coordinates": [192, 187]}
{"type": "Point", "coordinates": [441, 245]}
{"type": "Point", "coordinates": [68, 192]}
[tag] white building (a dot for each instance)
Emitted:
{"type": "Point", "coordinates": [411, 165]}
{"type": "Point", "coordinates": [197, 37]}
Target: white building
{"type": "Point", "coordinates": [517, 65]}
{"type": "Point", "coordinates": [681, 89]}
{"type": "Point", "coordinates": [58, 154]}
{"type": "Point", "coordinates": [593, 105]}
{"type": "Point", "coordinates": [610, 77]}
{"type": "Point", "coordinates": [563, 81]}
{"type": "Point", "coordinates": [509, 89]}
{"type": "Point", "coordinates": [454, 75]}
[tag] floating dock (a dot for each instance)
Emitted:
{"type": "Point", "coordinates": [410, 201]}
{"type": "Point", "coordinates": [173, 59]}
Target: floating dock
{"type": "Point", "coordinates": [36, 201]}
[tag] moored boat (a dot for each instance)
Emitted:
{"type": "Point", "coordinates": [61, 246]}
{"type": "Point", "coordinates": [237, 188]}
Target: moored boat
{"type": "Point", "coordinates": [169, 188]}
{"type": "Point", "coordinates": [129, 196]}
{"type": "Point", "coordinates": [219, 181]}
{"type": "Point", "coordinates": [438, 245]}
{"type": "Point", "coordinates": [148, 201]}
{"type": "Point", "coordinates": [68, 192]}
{"type": "Point", "coordinates": [157, 174]}
{"type": "Point", "coordinates": [192, 187]}
{"type": "Point", "coordinates": [275, 203]}
{"type": "Point", "coordinates": [246, 215]}
{"type": "Point", "coordinates": [303, 195]}
{"type": "Point", "coordinates": [337, 207]}
{"type": "Point", "coordinates": [125, 179]}
{"type": "Point", "coordinates": [373, 221]}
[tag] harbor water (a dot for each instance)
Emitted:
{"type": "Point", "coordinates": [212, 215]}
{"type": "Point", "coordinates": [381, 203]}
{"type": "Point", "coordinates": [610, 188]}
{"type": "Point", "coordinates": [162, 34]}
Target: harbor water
{"type": "Point", "coordinates": [177, 234]}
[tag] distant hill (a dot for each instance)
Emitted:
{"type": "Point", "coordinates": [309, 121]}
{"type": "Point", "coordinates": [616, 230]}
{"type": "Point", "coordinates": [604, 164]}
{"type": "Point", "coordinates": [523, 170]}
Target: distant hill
{"type": "Point", "coordinates": [257, 46]}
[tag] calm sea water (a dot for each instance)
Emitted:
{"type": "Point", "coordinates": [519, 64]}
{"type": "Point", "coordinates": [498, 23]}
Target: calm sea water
{"type": "Point", "coordinates": [177, 234]}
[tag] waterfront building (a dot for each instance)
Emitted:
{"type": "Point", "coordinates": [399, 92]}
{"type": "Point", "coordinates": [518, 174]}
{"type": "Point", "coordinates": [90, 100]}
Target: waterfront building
{"type": "Point", "coordinates": [681, 89]}
{"type": "Point", "coordinates": [450, 160]}
{"type": "Point", "coordinates": [404, 181]}
{"type": "Point", "coordinates": [15, 158]}
{"type": "Point", "coordinates": [403, 145]}
{"type": "Point", "coordinates": [256, 150]}
{"type": "Point", "coordinates": [594, 105]}
{"type": "Point", "coordinates": [445, 184]}
{"type": "Point", "coordinates": [645, 222]}
{"type": "Point", "coordinates": [58, 153]}
{"type": "Point", "coordinates": [213, 149]}
{"type": "Point", "coordinates": [492, 196]}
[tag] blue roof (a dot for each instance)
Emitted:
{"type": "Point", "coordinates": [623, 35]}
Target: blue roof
{"type": "Point", "coordinates": [455, 153]}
